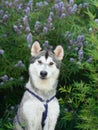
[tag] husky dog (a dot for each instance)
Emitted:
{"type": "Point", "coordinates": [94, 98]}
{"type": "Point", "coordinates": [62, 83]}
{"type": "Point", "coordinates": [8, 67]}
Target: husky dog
{"type": "Point", "coordinates": [39, 108]}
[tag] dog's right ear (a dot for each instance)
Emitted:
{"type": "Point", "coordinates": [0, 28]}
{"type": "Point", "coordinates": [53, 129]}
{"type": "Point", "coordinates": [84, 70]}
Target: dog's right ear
{"type": "Point", "coordinates": [59, 52]}
{"type": "Point", "coordinates": [35, 48]}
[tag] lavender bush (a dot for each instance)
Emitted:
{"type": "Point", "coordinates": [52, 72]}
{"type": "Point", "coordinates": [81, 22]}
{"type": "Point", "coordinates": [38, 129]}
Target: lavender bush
{"type": "Point", "coordinates": [74, 25]}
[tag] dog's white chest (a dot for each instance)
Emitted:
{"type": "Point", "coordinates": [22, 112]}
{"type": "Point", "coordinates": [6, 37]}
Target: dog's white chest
{"type": "Point", "coordinates": [33, 111]}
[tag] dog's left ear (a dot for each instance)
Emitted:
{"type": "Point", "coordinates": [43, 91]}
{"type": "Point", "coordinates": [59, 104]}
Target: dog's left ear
{"type": "Point", "coordinates": [59, 52]}
{"type": "Point", "coordinates": [35, 48]}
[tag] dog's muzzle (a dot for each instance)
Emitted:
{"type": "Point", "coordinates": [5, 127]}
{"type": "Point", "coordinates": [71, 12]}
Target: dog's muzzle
{"type": "Point", "coordinates": [43, 74]}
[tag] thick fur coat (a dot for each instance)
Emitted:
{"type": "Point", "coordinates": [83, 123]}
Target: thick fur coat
{"type": "Point", "coordinates": [44, 70]}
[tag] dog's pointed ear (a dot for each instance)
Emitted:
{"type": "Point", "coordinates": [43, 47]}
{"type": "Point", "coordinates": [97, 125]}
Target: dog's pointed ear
{"type": "Point", "coordinates": [59, 52]}
{"type": "Point", "coordinates": [35, 48]}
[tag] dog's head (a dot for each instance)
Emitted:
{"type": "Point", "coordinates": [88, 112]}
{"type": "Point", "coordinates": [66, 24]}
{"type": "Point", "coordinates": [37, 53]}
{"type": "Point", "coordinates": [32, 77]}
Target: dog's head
{"type": "Point", "coordinates": [45, 64]}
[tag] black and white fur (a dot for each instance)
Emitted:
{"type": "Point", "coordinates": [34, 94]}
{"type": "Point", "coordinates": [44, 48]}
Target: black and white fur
{"type": "Point", "coordinates": [43, 78]}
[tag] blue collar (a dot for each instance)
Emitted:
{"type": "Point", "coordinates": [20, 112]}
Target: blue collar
{"type": "Point", "coordinates": [38, 97]}
{"type": "Point", "coordinates": [44, 114]}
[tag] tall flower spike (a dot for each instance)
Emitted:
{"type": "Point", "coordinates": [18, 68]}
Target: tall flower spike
{"type": "Point", "coordinates": [25, 20]}
{"type": "Point", "coordinates": [46, 46]}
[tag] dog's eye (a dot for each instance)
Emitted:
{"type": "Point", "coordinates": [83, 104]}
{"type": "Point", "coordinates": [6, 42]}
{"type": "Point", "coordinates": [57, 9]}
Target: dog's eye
{"type": "Point", "coordinates": [51, 63]}
{"type": "Point", "coordinates": [39, 61]}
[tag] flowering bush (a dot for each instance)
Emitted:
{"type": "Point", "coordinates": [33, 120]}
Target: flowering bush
{"type": "Point", "coordinates": [74, 25]}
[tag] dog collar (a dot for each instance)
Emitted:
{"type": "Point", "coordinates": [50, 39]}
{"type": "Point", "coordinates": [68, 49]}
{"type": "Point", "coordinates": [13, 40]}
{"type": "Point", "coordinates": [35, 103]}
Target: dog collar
{"type": "Point", "coordinates": [45, 103]}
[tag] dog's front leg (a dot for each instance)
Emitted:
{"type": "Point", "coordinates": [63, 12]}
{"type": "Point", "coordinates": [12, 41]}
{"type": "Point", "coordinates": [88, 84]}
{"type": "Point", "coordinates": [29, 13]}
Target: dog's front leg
{"type": "Point", "coordinates": [50, 125]}
{"type": "Point", "coordinates": [33, 114]}
{"type": "Point", "coordinates": [34, 124]}
{"type": "Point", "coordinates": [53, 113]}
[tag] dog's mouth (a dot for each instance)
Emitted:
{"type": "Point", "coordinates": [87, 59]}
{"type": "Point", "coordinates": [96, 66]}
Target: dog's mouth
{"type": "Point", "coordinates": [43, 78]}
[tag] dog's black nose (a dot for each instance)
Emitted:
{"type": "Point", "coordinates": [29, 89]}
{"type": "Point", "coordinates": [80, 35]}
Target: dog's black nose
{"type": "Point", "coordinates": [43, 74]}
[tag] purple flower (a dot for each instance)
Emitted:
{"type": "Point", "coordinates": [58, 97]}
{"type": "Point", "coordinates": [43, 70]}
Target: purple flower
{"type": "Point", "coordinates": [69, 47]}
{"type": "Point", "coordinates": [5, 17]}
{"type": "Point", "coordinates": [71, 42]}
{"type": "Point", "coordinates": [85, 5]}
{"type": "Point", "coordinates": [80, 54]}
{"type": "Point", "coordinates": [51, 14]}
{"type": "Point", "coordinates": [59, 7]}
{"type": "Point", "coordinates": [89, 59]}
{"type": "Point", "coordinates": [80, 44]}
{"type": "Point", "coordinates": [30, 4]}
{"type": "Point", "coordinates": [76, 48]}
{"type": "Point", "coordinates": [27, 10]}
{"type": "Point", "coordinates": [46, 43]}
{"type": "Point", "coordinates": [1, 12]}
{"type": "Point", "coordinates": [30, 1]}
{"type": "Point", "coordinates": [80, 6]}
{"type": "Point", "coordinates": [39, 4]}
{"type": "Point", "coordinates": [80, 38]}
{"type": "Point", "coordinates": [16, 29]}
{"type": "Point", "coordinates": [29, 38]}
{"type": "Point", "coordinates": [57, 1]}
{"type": "Point", "coordinates": [61, 4]}
{"type": "Point", "coordinates": [45, 29]}
{"type": "Point", "coordinates": [71, 2]}
{"type": "Point", "coordinates": [27, 29]}
{"type": "Point", "coordinates": [69, 34]}
{"type": "Point", "coordinates": [19, 7]}
{"type": "Point", "coordinates": [50, 19]}
{"type": "Point", "coordinates": [25, 20]}
{"type": "Point", "coordinates": [69, 10]}
{"type": "Point", "coordinates": [6, 3]}
{"type": "Point", "coordinates": [56, 7]}
{"type": "Point", "coordinates": [29, 46]}
{"type": "Point", "coordinates": [63, 15]}
{"type": "Point", "coordinates": [10, 4]}
{"type": "Point", "coordinates": [74, 8]}
{"type": "Point", "coordinates": [49, 25]}
{"type": "Point", "coordinates": [1, 51]}
{"type": "Point", "coordinates": [62, 9]}
{"type": "Point", "coordinates": [72, 59]}
{"type": "Point", "coordinates": [20, 27]}
{"type": "Point", "coordinates": [37, 25]}
{"type": "Point", "coordinates": [46, 3]}
{"type": "Point", "coordinates": [16, 1]}
{"type": "Point", "coordinates": [4, 78]}
{"type": "Point", "coordinates": [19, 64]}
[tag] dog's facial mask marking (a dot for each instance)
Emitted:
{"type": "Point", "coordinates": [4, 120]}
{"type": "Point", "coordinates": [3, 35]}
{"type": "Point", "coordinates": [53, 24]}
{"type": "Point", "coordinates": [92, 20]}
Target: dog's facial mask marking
{"type": "Point", "coordinates": [44, 68]}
